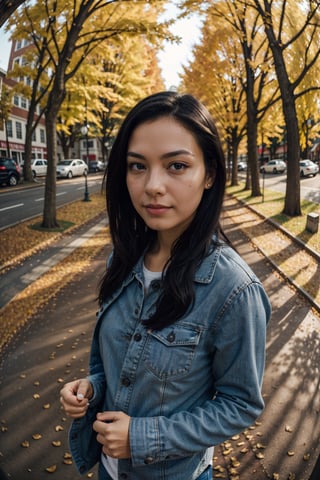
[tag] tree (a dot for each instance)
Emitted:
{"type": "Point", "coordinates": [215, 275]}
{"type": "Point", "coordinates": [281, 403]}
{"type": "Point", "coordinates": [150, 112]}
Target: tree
{"type": "Point", "coordinates": [68, 27]}
{"type": "Point", "coordinates": [215, 57]}
{"type": "Point", "coordinates": [285, 44]}
{"type": "Point", "coordinates": [5, 109]}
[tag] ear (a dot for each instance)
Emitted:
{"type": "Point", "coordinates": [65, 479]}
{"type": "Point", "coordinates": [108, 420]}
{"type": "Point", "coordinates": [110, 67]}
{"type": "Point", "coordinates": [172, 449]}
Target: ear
{"type": "Point", "coordinates": [209, 181]}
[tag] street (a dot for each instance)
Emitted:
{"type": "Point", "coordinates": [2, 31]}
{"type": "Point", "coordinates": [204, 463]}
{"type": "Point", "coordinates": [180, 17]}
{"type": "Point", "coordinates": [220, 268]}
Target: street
{"type": "Point", "coordinates": [309, 186]}
{"type": "Point", "coordinates": [18, 205]}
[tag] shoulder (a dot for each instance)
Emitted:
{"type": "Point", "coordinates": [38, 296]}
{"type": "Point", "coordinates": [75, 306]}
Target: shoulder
{"type": "Point", "coordinates": [224, 262]}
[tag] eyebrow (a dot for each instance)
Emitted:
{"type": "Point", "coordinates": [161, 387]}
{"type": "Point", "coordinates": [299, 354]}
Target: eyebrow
{"type": "Point", "coordinates": [175, 153]}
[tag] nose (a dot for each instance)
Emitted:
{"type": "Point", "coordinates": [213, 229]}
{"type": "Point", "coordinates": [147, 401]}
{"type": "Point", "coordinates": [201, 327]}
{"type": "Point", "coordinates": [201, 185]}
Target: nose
{"type": "Point", "coordinates": [155, 183]}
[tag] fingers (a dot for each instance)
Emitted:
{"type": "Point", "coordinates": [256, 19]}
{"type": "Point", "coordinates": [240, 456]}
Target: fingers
{"type": "Point", "coordinates": [112, 430]}
{"type": "Point", "coordinates": [74, 397]}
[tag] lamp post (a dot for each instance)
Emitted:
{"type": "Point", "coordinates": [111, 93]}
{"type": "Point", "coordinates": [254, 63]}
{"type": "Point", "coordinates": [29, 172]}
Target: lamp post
{"type": "Point", "coordinates": [84, 131]}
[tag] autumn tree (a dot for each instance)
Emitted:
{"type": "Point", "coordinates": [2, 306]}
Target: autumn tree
{"type": "Point", "coordinates": [66, 28]}
{"type": "Point", "coordinates": [5, 109]}
{"type": "Point", "coordinates": [214, 76]}
{"type": "Point", "coordinates": [293, 32]}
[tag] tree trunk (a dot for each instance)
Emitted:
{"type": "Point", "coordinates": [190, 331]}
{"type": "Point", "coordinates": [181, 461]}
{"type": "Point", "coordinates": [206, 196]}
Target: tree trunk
{"type": "Point", "coordinates": [49, 210]}
{"type": "Point", "coordinates": [292, 205]}
{"type": "Point", "coordinates": [252, 134]}
{"type": "Point", "coordinates": [27, 173]}
{"type": "Point", "coordinates": [7, 138]}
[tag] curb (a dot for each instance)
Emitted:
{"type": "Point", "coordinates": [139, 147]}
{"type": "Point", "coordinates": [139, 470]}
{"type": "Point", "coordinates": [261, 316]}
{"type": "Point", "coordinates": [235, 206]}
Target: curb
{"type": "Point", "coordinates": [311, 251]}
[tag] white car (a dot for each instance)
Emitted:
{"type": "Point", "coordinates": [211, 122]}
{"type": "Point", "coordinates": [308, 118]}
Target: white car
{"type": "Point", "coordinates": [274, 166]}
{"type": "Point", "coordinates": [71, 168]}
{"type": "Point", "coordinates": [307, 167]}
{"type": "Point", "coordinates": [39, 167]}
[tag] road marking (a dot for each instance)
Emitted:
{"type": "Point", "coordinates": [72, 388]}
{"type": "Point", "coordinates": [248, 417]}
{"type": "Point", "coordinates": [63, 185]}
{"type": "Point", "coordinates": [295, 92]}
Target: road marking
{"type": "Point", "coordinates": [61, 193]}
{"type": "Point", "coordinates": [39, 199]}
{"type": "Point", "coordinates": [12, 206]}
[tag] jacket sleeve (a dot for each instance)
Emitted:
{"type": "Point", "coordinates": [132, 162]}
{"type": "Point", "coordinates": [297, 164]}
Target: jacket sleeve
{"type": "Point", "coordinates": [237, 368]}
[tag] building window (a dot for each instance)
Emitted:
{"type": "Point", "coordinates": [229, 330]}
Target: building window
{"type": "Point", "coordinates": [42, 136]}
{"type": "Point", "coordinates": [90, 144]}
{"type": "Point", "coordinates": [18, 44]}
{"type": "Point", "coordinates": [16, 100]}
{"type": "Point", "coordinates": [34, 138]}
{"type": "Point", "coordinates": [19, 130]}
{"type": "Point", "coordinates": [23, 102]}
{"type": "Point", "coordinates": [9, 128]}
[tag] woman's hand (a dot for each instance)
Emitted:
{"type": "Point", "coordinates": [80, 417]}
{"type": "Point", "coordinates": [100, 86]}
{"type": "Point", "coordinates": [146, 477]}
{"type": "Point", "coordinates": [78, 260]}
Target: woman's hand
{"type": "Point", "coordinates": [75, 396]}
{"type": "Point", "coordinates": [113, 433]}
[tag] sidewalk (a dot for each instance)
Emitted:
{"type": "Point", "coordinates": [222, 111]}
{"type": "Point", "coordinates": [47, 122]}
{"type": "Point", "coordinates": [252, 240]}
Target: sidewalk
{"type": "Point", "coordinates": [54, 348]}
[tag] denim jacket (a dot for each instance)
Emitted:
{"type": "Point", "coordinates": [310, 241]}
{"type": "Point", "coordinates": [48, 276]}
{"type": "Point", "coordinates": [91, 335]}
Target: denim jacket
{"type": "Point", "coordinates": [187, 387]}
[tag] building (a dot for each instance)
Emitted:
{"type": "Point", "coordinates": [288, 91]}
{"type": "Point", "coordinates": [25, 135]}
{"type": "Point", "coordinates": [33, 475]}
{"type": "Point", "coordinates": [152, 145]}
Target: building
{"type": "Point", "coordinates": [12, 138]}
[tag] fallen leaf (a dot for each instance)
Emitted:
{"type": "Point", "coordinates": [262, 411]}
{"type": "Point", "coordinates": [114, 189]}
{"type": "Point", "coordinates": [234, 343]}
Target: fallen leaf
{"type": "Point", "coordinates": [56, 443]}
{"type": "Point", "coordinates": [259, 455]}
{"type": "Point", "coordinates": [290, 453]}
{"type": "Point", "coordinates": [58, 428]}
{"type": "Point", "coordinates": [25, 444]}
{"type": "Point", "coordinates": [51, 469]}
{"type": "Point", "coordinates": [37, 436]}
{"type": "Point", "coordinates": [36, 396]}
{"type": "Point", "coordinates": [46, 406]}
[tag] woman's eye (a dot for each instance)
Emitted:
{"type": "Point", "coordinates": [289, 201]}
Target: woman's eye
{"type": "Point", "coordinates": [136, 166]}
{"type": "Point", "coordinates": [177, 166]}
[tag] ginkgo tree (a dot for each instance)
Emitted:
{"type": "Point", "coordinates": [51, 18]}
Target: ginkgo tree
{"type": "Point", "coordinates": [64, 28]}
{"type": "Point", "coordinates": [214, 76]}
{"type": "Point", "coordinates": [293, 32]}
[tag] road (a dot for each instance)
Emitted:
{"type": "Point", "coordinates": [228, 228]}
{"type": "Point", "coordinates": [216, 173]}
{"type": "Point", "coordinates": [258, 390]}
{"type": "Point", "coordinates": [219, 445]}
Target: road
{"type": "Point", "coordinates": [309, 186]}
{"type": "Point", "coordinates": [17, 205]}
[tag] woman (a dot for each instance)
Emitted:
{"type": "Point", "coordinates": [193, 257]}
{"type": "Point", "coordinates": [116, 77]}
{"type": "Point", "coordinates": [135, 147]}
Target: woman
{"type": "Point", "coordinates": [178, 350]}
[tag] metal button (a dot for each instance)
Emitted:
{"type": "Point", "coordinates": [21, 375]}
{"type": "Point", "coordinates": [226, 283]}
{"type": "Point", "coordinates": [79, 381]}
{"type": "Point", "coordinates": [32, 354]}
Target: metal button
{"type": "Point", "coordinates": [125, 382]}
{"type": "Point", "coordinates": [148, 460]}
{"type": "Point", "coordinates": [137, 337]}
{"type": "Point", "coordinates": [171, 337]}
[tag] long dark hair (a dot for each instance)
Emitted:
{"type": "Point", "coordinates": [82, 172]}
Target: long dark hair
{"type": "Point", "coordinates": [130, 235]}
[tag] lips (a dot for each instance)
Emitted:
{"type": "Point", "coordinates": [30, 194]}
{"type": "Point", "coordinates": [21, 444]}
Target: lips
{"type": "Point", "coordinates": [156, 209]}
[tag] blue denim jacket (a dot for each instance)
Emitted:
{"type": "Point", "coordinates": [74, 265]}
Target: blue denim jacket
{"type": "Point", "coordinates": [187, 387]}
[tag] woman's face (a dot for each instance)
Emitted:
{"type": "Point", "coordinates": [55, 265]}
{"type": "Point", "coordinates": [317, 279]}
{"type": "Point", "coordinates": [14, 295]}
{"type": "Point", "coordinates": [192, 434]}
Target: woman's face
{"type": "Point", "coordinates": [166, 175]}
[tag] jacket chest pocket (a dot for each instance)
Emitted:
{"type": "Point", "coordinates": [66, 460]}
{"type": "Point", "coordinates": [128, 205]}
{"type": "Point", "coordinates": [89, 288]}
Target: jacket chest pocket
{"type": "Point", "coordinates": [169, 353]}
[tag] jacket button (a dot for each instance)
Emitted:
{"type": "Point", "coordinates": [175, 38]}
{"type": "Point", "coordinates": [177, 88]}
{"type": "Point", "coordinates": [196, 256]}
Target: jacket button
{"type": "Point", "coordinates": [125, 382]}
{"type": "Point", "coordinates": [137, 337]}
{"type": "Point", "coordinates": [171, 337]}
{"type": "Point", "coordinates": [82, 469]}
{"type": "Point", "coordinates": [148, 460]}
{"type": "Point", "coordinates": [136, 312]}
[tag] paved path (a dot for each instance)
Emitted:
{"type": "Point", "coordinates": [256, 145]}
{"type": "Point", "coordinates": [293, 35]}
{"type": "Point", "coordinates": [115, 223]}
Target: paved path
{"type": "Point", "coordinates": [54, 349]}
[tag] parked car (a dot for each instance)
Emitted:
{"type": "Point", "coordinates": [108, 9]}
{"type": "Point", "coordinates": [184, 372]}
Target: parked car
{"type": "Point", "coordinates": [242, 166]}
{"type": "Point", "coordinates": [274, 166]}
{"type": "Point", "coordinates": [307, 167]}
{"type": "Point", "coordinates": [96, 166]}
{"type": "Point", "coordinates": [39, 167]}
{"type": "Point", "coordinates": [71, 168]}
{"type": "Point", "coordinates": [10, 172]}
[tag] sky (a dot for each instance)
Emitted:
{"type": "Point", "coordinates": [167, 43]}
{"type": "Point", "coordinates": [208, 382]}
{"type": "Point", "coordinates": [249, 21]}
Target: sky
{"type": "Point", "coordinates": [171, 58]}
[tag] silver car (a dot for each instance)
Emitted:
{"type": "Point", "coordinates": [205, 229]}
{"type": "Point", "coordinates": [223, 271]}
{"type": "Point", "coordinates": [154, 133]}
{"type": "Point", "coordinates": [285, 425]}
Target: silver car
{"type": "Point", "coordinates": [274, 166]}
{"type": "Point", "coordinates": [307, 167]}
{"type": "Point", "coordinates": [71, 168]}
